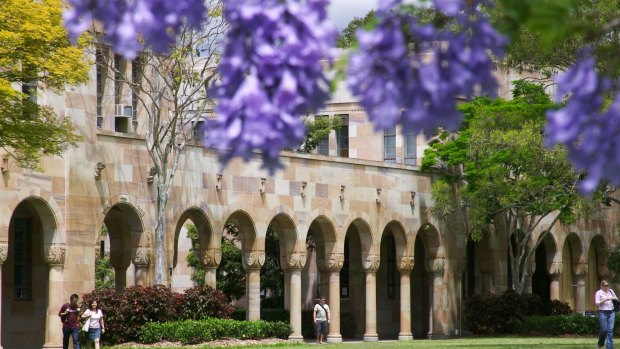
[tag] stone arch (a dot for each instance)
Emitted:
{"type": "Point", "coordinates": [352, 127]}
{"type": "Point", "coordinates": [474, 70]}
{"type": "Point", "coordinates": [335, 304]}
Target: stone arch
{"type": "Point", "coordinates": [430, 257]}
{"type": "Point", "coordinates": [181, 273]}
{"type": "Point", "coordinates": [359, 253]}
{"type": "Point", "coordinates": [546, 267]}
{"type": "Point", "coordinates": [571, 255]}
{"type": "Point", "coordinates": [46, 207]}
{"type": "Point", "coordinates": [597, 268]}
{"type": "Point", "coordinates": [126, 232]}
{"type": "Point", "coordinates": [249, 238]}
{"type": "Point", "coordinates": [34, 246]}
{"type": "Point", "coordinates": [393, 251]}
{"type": "Point", "coordinates": [324, 253]}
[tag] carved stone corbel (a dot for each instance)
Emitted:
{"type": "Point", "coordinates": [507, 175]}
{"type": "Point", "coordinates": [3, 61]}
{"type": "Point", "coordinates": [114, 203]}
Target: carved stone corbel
{"type": "Point", "coordinates": [142, 258]}
{"type": "Point", "coordinates": [335, 262]}
{"type": "Point", "coordinates": [253, 259]}
{"type": "Point", "coordinates": [371, 263]}
{"type": "Point", "coordinates": [297, 260]}
{"type": "Point", "coordinates": [55, 253]}
{"type": "Point", "coordinates": [555, 269]}
{"type": "Point", "coordinates": [437, 266]}
{"type": "Point", "coordinates": [212, 258]}
{"type": "Point", "coordinates": [406, 264]}
{"type": "Point", "coordinates": [4, 251]}
{"type": "Point", "coordinates": [581, 269]}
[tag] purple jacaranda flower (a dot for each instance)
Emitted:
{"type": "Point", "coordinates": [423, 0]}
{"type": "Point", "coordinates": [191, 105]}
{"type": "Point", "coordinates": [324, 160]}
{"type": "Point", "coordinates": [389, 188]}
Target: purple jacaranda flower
{"type": "Point", "coordinates": [583, 124]}
{"type": "Point", "coordinates": [271, 75]}
{"type": "Point", "coordinates": [128, 23]}
{"type": "Point", "coordinates": [415, 82]}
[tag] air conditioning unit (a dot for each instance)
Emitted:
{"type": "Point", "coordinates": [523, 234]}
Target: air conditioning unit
{"type": "Point", "coordinates": [123, 111]}
{"type": "Point", "coordinates": [119, 110]}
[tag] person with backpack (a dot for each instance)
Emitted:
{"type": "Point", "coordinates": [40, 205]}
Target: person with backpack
{"type": "Point", "coordinates": [321, 316]}
{"type": "Point", "coordinates": [69, 313]}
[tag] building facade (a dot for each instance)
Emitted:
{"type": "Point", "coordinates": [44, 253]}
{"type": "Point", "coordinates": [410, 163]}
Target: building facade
{"type": "Point", "coordinates": [384, 263]}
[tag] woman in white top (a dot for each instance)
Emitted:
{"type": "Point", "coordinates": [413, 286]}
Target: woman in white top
{"type": "Point", "coordinates": [95, 319]}
{"type": "Point", "coordinates": [606, 314]}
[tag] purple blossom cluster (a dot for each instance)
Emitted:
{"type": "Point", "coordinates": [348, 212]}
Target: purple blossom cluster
{"type": "Point", "coordinates": [271, 74]}
{"type": "Point", "coordinates": [585, 126]}
{"type": "Point", "coordinates": [128, 23]}
{"type": "Point", "coordinates": [412, 74]}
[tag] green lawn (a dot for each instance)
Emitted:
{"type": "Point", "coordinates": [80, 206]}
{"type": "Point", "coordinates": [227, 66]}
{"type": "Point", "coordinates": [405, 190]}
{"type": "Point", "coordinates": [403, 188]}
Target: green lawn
{"type": "Point", "coordinates": [486, 343]}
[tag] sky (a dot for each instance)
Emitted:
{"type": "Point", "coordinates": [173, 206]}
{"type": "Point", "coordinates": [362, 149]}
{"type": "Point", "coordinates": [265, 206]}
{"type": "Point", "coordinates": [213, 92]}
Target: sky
{"type": "Point", "coordinates": [341, 12]}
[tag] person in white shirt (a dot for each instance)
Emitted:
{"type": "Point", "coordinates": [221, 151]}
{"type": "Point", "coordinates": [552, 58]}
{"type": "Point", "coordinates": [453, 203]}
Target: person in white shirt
{"type": "Point", "coordinates": [96, 326]}
{"type": "Point", "coordinates": [606, 314]}
{"type": "Point", "coordinates": [321, 316]}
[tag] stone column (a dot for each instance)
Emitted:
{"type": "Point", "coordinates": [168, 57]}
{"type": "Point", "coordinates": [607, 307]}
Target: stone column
{"type": "Point", "coordinates": [406, 266]}
{"type": "Point", "coordinates": [287, 288]}
{"type": "Point", "coordinates": [54, 254]}
{"type": "Point", "coordinates": [4, 250]}
{"type": "Point", "coordinates": [211, 260]}
{"type": "Point", "coordinates": [371, 265]}
{"type": "Point", "coordinates": [296, 263]}
{"type": "Point", "coordinates": [437, 267]}
{"type": "Point", "coordinates": [334, 266]}
{"type": "Point", "coordinates": [581, 273]}
{"type": "Point", "coordinates": [142, 261]}
{"type": "Point", "coordinates": [555, 272]}
{"type": "Point", "coordinates": [120, 278]}
{"type": "Point", "coordinates": [252, 262]}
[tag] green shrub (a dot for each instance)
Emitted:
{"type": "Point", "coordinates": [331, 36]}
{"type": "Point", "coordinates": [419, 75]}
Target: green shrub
{"type": "Point", "coordinates": [504, 313]}
{"type": "Point", "coordinates": [560, 325]}
{"type": "Point", "coordinates": [202, 302]}
{"type": "Point", "coordinates": [128, 310]}
{"type": "Point", "coordinates": [192, 331]}
{"type": "Point", "coordinates": [275, 315]}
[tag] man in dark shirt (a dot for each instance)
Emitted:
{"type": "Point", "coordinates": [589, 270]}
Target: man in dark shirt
{"type": "Point", "coordinates": [69, 314]}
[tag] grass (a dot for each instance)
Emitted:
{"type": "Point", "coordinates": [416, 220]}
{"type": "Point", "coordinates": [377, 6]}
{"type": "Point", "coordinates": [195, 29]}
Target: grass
{"type": "Point", "coordinates": [471, 342]}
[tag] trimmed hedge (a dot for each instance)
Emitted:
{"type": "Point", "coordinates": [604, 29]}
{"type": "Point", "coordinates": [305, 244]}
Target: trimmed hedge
{"type": "Point", "coordinates": [192, 332]}
{"type": "Point", "coordinates": [559, 325]}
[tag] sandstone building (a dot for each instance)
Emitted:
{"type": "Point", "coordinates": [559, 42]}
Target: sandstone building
{"type": "Point", "coordinates": [382, 258]}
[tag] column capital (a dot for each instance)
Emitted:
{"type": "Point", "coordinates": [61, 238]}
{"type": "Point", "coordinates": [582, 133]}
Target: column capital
{"type": "Point", "coordinates": [437, 265]}
{"type": "Point", "coordinates": [253, 259]}
{"type": "Point", "coordinates": [581, 269]}
{"type": "Point", "coordinates": [406, 264]}
{"type": "Point", "coordinates": [212, 257]}
{"type": "Point", "coordinates": [142, 258]}
{"type": "Point", "coordinates": [370, 263]}
{"type": "Point", "coordinates": [297, 260]}
{"type": "Point", "coordinates": [555, 269]}
{"type": "Point", "coordinates": [4, 251]}
{"type": "Point", "coordinates": [54, 253]}
{"type": "Point", "coordinates": [335, 262]}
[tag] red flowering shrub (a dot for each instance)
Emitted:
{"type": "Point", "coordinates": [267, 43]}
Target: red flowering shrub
{"type": "Point", "coordinates": [128, 310]}
{"type": "Point", "coordinates": [202, 302]}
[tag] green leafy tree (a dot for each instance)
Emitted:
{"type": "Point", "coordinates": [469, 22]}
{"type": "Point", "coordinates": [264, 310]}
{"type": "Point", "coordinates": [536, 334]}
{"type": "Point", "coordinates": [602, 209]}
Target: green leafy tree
{"type": "Point", "coordinates": [193, 257]}
{"type": "Point", "coordinates": [230, 273]}
{"type": "Point", "coordinates": [272, 276]}
{"type": "Point", "coordinates": [104, 273]}
{"type": "Point", "coordinates": [496, 172]}
{"type": "Point", "coordinates": [318, 128]}
{"type": "Point", "coordinates": [347, 38]}
{"type": "Point", "coordinates": [35, 53]}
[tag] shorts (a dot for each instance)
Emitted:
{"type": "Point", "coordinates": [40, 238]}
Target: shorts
{"type": "Point", "coordinates": [321, 327]}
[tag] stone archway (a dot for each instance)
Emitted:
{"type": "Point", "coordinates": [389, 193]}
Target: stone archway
{"type": "Point", "coordinates": [597, 269]}
{"type": "Point", "coordinates": [392, 308]}
{"type": "Point", "coordinates": [321, 275]}
{"type": "Point", "coordinates": [128, 243]}
{"type": "Point", "coordinates": [427, 283]}
{"type": "Point", "coordinates": [32, 289]}
{"type": "Point", "coordinates": [253, 258]}
{"type": "Point", "coordinates": [571, 279]}
{"type": "Point", "coordinates": [209, 253]}
{"type": "Point", "coordinates": [546, 270]}
{"type": "Point", "coordinates": [358, 280]}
